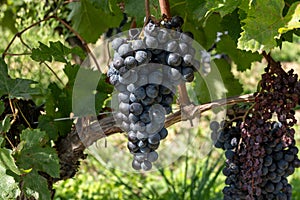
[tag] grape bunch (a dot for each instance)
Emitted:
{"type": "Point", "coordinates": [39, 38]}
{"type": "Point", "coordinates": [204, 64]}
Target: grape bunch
{"type": "Point", "coordinates": [146, 68]}
{"type": "Point", "coordinates": [258, 164]}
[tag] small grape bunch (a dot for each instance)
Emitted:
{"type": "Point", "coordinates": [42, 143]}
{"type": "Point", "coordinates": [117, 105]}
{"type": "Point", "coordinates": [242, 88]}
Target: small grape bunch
{"type": "Point", "coordinates": [146, 68]}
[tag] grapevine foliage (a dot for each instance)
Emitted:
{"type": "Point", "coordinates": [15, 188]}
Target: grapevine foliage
{"type": "Point", "coordinates": [37, 148]}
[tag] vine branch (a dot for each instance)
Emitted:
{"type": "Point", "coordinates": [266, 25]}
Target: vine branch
{"type": "Point", "coordinates": [107, 126]}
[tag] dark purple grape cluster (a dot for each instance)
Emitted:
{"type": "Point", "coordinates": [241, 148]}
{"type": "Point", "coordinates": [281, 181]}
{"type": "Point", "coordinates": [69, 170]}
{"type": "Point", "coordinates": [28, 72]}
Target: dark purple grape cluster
{"type": "Point", "coordinates": [258, 166]}
{"type": "Point", "coordinates": [147, 67]}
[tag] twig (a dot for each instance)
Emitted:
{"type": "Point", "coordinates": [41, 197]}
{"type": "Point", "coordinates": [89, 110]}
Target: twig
{"type": "Point", "coordinates": [18, 54]}
{"type": "Point", "coordinates": [21, 32]}
{"type": "Point", "coordinates": [88, 50]}
{"type": "Point", "coordinates": [23, 42]}
{"type": "Point", "coordinates": [53, 72]}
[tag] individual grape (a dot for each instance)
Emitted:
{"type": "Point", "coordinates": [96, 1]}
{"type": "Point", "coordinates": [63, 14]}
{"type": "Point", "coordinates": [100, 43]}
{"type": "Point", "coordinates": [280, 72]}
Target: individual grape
{"type": "Point", "coordinates": [141, 135]}
{"type": "Point", "coordinates": [152, 156]}
{"type": "Point", "coordinates": [146, 165]}
{"type": "Point", "coordinates": [124, 108]}
{"type": "Point", "coordinates": [163, 133]}
{"type": "Point", "coordinates": [153, 146]}
{"type": "Point", "coordinates": [130, 62]}
{"type": "Point", "coordinates": [174, 74]}
{"type": "Point", "coordinates": [136, 108]}
{"type": "Point", "coordinates": [152, 90]}
{"type": "Point", "coordinates": [174, 59]}
{"type": "Point", "coordinates": [140, 157]}
{"type": "Point", "coordinates": [131, 88]}
{"type": "Point", "coordinates": [132, 98]}
{"type": "Point", "coordinates": [133, 118]}
{"type": "Point", "coordinates": [141, 57]}
{"type": "Point", "coordinates": [188, 60]}
{"type": "Point", "coordinates": [132, 136]}
{"type": "Point", "coordinates": [118, 62]}
{"type": "Point", "coordinates": [163, 36]}
{"type": "Point", "coordinates": [188, 74]}
{"type": "Point", "coordinates": [144, 117]}
{"type": "Point", "coordinates": [171, 46]}
{"type": "Point", "coordinates": [151, 42]}
{"type": "Point", "coordinates": [177, 21]}
{"type": "Point", "coordinates": [116, 43]}
{"type": "Point", "coordinates": [125, 50]}
{"type": "Point", "coordinates": [214, 125]}
{"type": "Point", "coordinates": [132, 146]}
{"type": "Point", "coordinates": [136, 165]}
{"type": "Point", "coordinates": [154, 139]}
{"type": "Point", "coordinates": [145, 150]}
{"type": "Point", "coordinates": [147, 101]}
{"type": "Point", "coordinates": [183, 48]}
{"type": "Point", "coordinates": [282, 164]}
{"type": "Point", "coordinates": [142, 143]}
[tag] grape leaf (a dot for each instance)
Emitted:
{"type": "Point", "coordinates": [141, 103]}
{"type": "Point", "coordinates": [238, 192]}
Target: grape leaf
{"type": "Point", "coordinates": [8, 186]}
{"type": "Point", "coordinates": [56, 51]}
{"type": "Point", "coordinates": [264, 24]}
{"type": "Point", "coordinates": [223, 7]}
{"type": "Point", "coordinates": [5, 124]}
{"type": "Point", "coordinates": [34, 138]}
{"type": "Point", "coordinates": [34, 183]}
{"type": "Point", "coordinates": [47, 124]}
{"type": "Point", "coordinates": [36, 154]}
{"type": "Point", "coordinates": [292, 18]}
{"type": "Point", "coordinates": [15, 88]}
{"type": "Point", "coordinates": [241, 58]}
{"type": "Point", "coordinates": [135, 9]}
{"type": "Point", "coordinates": [91, 21]}
{"type": "Point", "coordinates": [7, 162]}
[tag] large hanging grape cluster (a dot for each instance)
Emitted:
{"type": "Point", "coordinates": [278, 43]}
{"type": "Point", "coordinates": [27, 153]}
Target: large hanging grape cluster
{"type": "Point", "coordinates": [146, 69]}
{"type": "Point", "coordinates": [259, 144]}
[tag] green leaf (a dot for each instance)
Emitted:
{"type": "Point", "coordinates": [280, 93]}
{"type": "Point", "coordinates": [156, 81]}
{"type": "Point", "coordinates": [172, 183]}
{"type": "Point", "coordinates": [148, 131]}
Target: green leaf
{"type": "Point", "coordinates": [5, 124]}
{"type": "Point", "coordinates": [34, 138]}
{"type": "Point", "coordinates": [91, 21]}
{"type": "Point", "coordinates": [223, 7]}
{"type": "Point", "coordinates": [7, 162]}
{"type": "Point", "coordinates": [241, 58]}
{"type": "Point", "coordinates": [264, 24]}
{"type": "Point", "coordinates": [36, 154]}
{"type": "Point", "coordinates": [47, 124]}
{"type": "Point", "coordinates": [43, 159]}
{"type": "Point", "coordinates": [56, 51]}
{"type": "Point", "coordinates": [292, 19]}
{"type": "Point", "coordinates": [135, 9]}
{"type": "Point", "coordinates": [35, 183]}
{"type": "Point", "coordinates": [15, 88]}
